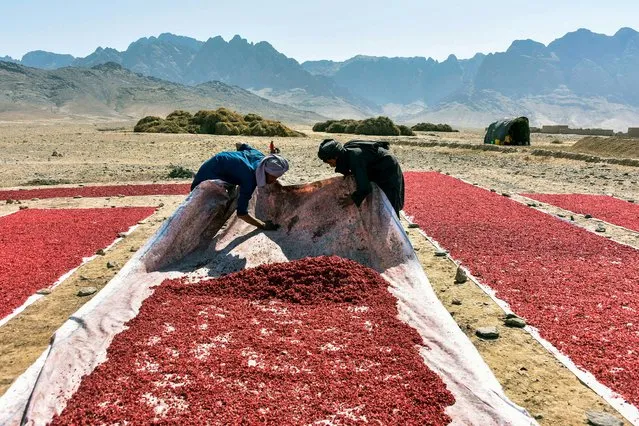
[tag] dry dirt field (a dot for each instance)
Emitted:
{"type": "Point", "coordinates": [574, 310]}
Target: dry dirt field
{"type": "Point", "coordinates": [111, 153]}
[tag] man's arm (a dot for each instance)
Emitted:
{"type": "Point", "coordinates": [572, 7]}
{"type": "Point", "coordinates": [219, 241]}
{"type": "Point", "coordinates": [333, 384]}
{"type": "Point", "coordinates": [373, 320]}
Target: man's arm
{"type": "Point", "coordinates": [246, 191]}
{"type": "Point", "coordinates": [360, 172]}
{"type": "Point", "coordinates": [252, 220]}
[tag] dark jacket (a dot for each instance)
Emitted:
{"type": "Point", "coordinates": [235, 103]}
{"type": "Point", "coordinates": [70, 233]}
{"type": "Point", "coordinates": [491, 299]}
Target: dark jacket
{"type": "Point", "coordinates": [370, 162]}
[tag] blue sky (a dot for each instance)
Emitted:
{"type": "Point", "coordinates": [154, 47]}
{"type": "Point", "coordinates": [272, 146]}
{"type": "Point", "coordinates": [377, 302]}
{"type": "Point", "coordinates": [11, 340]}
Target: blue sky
{"type": "Point", "coordinates": [325, 29]}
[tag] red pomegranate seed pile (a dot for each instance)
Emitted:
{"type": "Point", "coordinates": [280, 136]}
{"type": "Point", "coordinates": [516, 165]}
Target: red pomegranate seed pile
{"type": "Point", "coordinates": [611, 209]}
{"type": "Point", "coordinates": [580, 290]}
{"type": "Point", "coordinates": [39, 246]}
{"type": "Point", "coordinates": [96, 191]}
{"type": "Point", "coordinates": [314, 340]}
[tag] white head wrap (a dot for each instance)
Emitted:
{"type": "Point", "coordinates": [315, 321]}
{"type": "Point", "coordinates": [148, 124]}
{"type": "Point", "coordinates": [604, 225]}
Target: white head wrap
{"type": "Point", "coordinates": [274, 165]}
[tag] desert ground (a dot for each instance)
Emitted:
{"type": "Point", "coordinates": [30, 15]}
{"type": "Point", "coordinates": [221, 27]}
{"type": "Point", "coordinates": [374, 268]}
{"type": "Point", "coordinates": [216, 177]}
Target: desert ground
{"type": "Point", "coordinates": [88, 153]}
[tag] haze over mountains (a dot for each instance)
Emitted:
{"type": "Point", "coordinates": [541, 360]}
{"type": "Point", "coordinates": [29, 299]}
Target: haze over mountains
{"type": "Point", "coordinates": [582, 79]}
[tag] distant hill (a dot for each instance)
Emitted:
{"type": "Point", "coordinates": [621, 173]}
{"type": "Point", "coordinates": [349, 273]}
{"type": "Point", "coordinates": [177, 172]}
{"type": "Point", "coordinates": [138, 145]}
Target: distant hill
{"type": "Point", "coordinates": [582, 79]}
{"type": "Point", "coordinates": [111, 91]}
{"type": "Point", "coordinates": [46, 60]}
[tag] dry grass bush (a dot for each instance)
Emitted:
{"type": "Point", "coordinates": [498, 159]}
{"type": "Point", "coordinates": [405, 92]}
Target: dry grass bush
{"type": "Point", "coordinates": [215, 122]}
{"type": "Point", "coordinates": [430, 127]}
{"type": "Point", "coordinates": [379, 126]}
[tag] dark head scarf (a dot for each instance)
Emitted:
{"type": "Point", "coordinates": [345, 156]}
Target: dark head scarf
{"type": "Point", "coordinates": [329, 149]}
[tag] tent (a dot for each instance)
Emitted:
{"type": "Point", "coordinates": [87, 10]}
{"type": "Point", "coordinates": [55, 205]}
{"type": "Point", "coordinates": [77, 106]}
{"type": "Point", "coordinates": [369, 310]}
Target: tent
{"type": "Point", "coordinates": [515, 131]}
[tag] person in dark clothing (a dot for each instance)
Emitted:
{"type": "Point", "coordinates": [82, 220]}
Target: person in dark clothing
{"type": "Point", "coordinates": [248, 168]}
{"type": "Point", "coordinates": [368, 162]}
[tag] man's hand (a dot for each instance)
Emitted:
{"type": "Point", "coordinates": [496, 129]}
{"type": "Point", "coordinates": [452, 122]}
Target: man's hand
{"type": "Point", "coordinates": [345, 201]}
{"type": "Point", "coordinates": [270, 226]}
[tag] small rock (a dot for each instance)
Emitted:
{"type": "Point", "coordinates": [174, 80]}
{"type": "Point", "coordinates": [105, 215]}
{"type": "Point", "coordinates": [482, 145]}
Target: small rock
{"type": "Point", "coordinates": [493, 190]}
{"type": "Point", "coordinates": [44, 291]}
{"type": "Point", "coordinates": [23, 207]}
{"type": "Point", "coordinates": [561, 215]}
{"type": "Point", "coordinates": [587, 216]}
{"type": "Point", "coordinates": [539, 416]}
{"type": "Point", "coordinates": [10, 201]}
{"type": "Point", "coordinates": [112, 265]}
{"type": "Point", "coordinates": [505, 194]}
{"type": "Point", "coordinates": [598, 418]}
{"type": "Point", "coordinates": [87, 291]}
{"type": "Point", "coordinates": [134, 249]}
{"type": "Point", "coordinates": [100, 252]}
{"type": "Point", "coordinates": [413, 226]}
{"type": "Point", "coordinates": [83, 278]}
{"type": "Point", "coordinates": [456, 302]}
{"type": "Point", "coordinates": [631, 201]}
{"type": "Point", "coordinates": [441, 253]}
{"type": "Point", "coordinates": [600, 228]}
{"type": "Point", "coordinates": [487, 332]}
{"type": "Point", "coordinates": [515, 322]}
{"type": "Point", "coordinates": [122, 235]}
{"type": "Point", "coordinates": [141, 222]}
{"type": "Point", "coordinates": [35, 199]}
{"type": "Point", "coordinates": [160, 205]}
{"type": "Point", "coordinates": [77, 196]}
{"type": "Point", "coordinates": [121, 195]}
{"type": "Point", "coordinates": [531, 204]}
{"type": "Point", "coordinates": [460, 276]}
{"type": "Point", "coordinates": [572, 218]}
{"type": "Point", "coordinates": [511, 316]}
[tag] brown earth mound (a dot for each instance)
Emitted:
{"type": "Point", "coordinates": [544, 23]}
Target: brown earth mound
{"type": "Point", "coordinates": [608, 147]}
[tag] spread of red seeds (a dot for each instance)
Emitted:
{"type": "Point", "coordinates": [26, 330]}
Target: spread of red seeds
{"type": "Point", "coordinates": [96, 191]}
{"type": "Point", "coordinates": [580, 290]}
{"type": "Point", "coordinates": [311, 341]}
{"type": "Point", "coordinates": [611, 209]}
{"type": "Point", "coordinates": [39, 246]}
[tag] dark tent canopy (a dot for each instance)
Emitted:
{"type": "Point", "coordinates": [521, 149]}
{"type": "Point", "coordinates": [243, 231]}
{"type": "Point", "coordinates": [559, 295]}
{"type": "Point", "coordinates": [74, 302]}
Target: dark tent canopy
{"type": "Point", "coordinates": [509, 132]}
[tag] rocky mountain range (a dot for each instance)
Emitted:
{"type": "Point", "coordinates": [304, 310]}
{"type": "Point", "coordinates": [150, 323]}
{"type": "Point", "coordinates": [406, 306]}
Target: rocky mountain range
{"type": "Point", "coordinates": [111, 92]}
{"type": "Point", "coordinates": [581, 79]}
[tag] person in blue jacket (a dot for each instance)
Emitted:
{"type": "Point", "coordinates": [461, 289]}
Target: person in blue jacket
{"type": "Point", "coordinates": [248, 168]}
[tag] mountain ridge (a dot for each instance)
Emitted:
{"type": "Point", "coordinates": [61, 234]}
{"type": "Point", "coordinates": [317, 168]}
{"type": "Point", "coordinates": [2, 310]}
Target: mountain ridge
{"type": "Point", "coordinates": [111, 91]}
{"type": "Point", "coordinates": [590, 67]}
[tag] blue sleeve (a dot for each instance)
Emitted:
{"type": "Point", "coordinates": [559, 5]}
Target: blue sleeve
{"type": "Point", "coordinates": [247, 187]}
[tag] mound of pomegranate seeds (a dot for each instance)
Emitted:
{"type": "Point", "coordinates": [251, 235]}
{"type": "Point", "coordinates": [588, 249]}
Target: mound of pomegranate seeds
{"type": "Point", "coordinates": [611, 209]}
{"type": "Point", "coordinates": [314, 341]}
{"type": "Point", "coordinates": [39, 246]}
{"type": "Point", "coordinates": [96, 191]}
{"type": "Point", "coordinates": [580, 290]}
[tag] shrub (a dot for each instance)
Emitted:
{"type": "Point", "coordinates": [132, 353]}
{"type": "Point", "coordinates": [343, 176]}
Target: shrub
{"type": "Point", "coordinates": [147, 123]}
{"type": "Point", "coordinates": [249, 118]}
{"type": "Point", "coordinates": [47, 181]}
{"type": "Point", "coordinates": [430, 127]}
{"type": "Point", "coordinates": [179, 172]}
{"type": "Point", "coordinates": [380, 126]}
{"type": "Point", "coordinates": [405, 130]}
{"type": "Point", "coordinates": [220, 122]}
{"type": "Point", "coordinates": [226, 128]}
